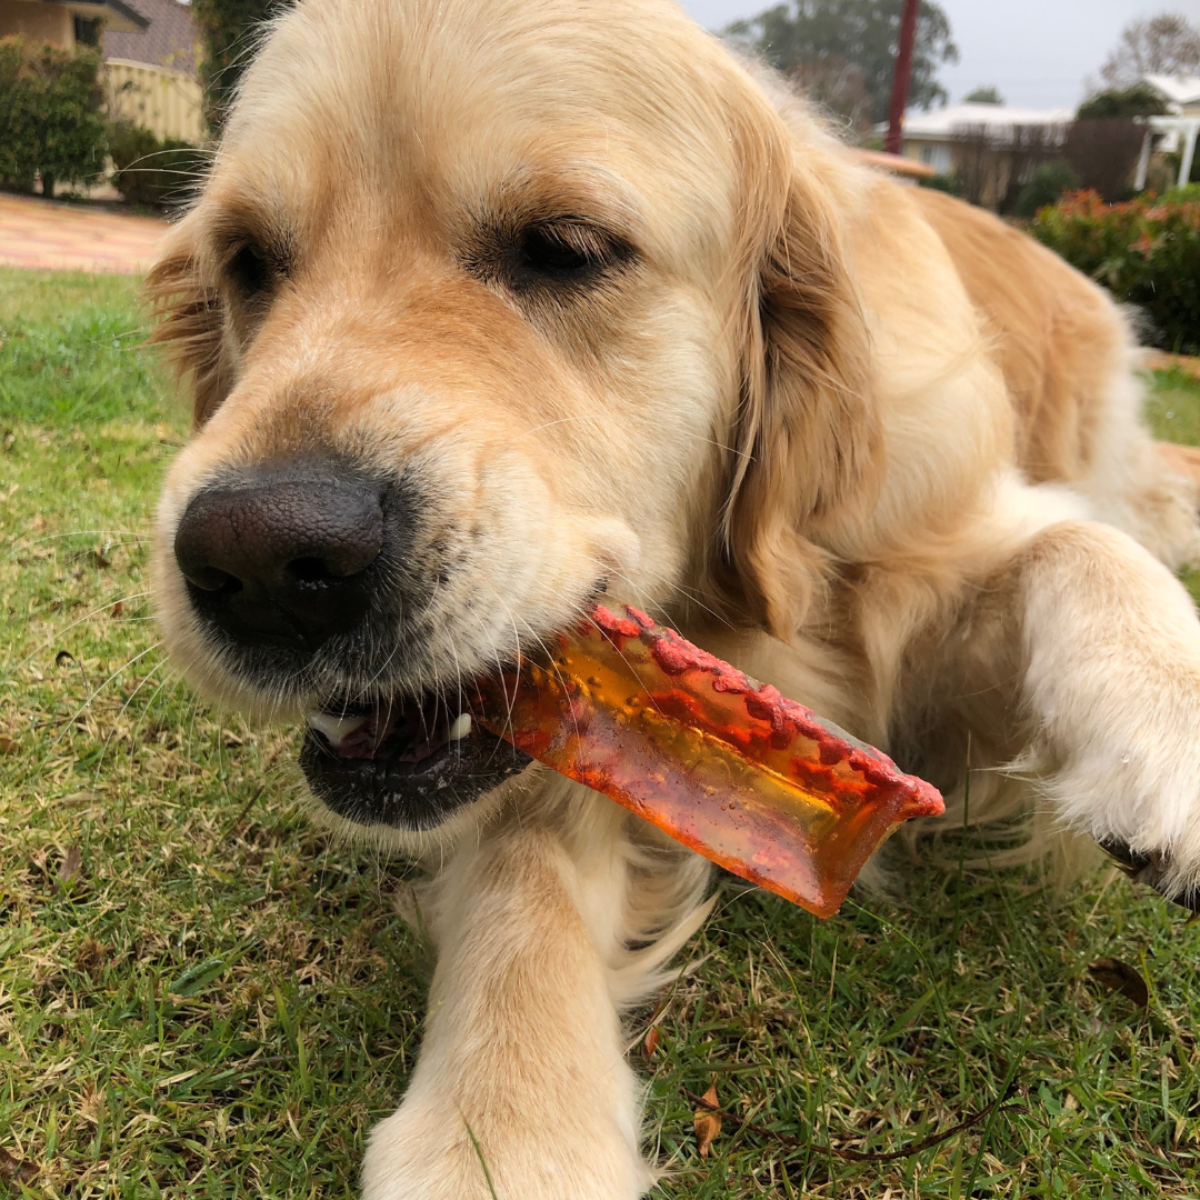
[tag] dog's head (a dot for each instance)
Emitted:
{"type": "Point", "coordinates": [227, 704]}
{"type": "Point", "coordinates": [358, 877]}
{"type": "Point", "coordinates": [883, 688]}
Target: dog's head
{"type": "Point", "coordinates": [488, 307]}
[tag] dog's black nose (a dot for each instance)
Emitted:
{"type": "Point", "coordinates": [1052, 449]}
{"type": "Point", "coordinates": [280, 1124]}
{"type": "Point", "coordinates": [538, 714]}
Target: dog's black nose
{"type": "Point", "coordinates": [279, 555]}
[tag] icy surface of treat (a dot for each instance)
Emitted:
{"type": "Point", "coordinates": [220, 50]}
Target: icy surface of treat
{"type": "Point", "coordinates": [728, 766]}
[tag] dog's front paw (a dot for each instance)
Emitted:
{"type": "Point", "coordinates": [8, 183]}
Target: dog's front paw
{"type": "Point", "coordinates": [417, 1154]}
{"type": "Point", "coordinates": [1154, 870]}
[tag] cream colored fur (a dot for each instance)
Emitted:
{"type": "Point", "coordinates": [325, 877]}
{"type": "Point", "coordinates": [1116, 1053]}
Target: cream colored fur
{"type": "Point", "coordinates": [869, 444]}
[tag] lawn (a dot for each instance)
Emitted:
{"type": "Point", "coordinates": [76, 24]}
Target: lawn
{"type": "Point", "coordinates": [201, 995]}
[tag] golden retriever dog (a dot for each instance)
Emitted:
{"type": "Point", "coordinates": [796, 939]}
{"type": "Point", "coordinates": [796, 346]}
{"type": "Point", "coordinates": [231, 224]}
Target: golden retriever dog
{"type": "Point", "coordinates": [493, 306]}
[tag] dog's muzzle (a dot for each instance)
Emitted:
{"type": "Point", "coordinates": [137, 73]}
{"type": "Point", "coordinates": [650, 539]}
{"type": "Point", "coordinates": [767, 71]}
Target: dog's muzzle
{"type": "Point", "coordinates": [297, 573]}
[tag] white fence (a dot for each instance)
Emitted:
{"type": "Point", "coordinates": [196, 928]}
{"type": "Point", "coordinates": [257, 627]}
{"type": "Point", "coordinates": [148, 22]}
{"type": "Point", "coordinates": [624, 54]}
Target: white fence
{"type": "Point", "coordinates": [169, 103]}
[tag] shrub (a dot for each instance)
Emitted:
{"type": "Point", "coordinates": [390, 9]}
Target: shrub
{"type": "Point", "coordinates": [1140, 100]}
{"type": "Point", "coordinates": [50, 114]}
{"type": "Point", "coordinates": [157, 174]}
{"type": "Point", "coordinates": [1181, 193]}
{"type": "Point", "coordinates": [942, 183]}
{"type": "Point", "coordinates": [1146, 252]}
{"type": "Point", "coordinates": [231, 30]}
{"type": "Point", "coordinates": [1046, 186]}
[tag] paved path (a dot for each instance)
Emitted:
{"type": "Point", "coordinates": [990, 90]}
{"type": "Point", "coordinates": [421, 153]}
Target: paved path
{"type": "Point", "coordinates": [1156, 360]}
{"type": "Point", "coordinates": [47, 236]}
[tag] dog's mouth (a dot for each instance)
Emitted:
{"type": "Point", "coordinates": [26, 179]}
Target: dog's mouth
{"type": "Point", "coordinates": [406, 761]}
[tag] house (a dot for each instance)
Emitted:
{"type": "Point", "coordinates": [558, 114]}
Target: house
{"type": "Point", "coordinates": [1181, 126]}
{"type": "Point", "coordinates": [153, 72]}
{"type": "Point", "coordinates": [990, 148]}
{"type": "Point", "coordinates": [169, 39]}
{"type": "Point", "coordinates": [75, 23]}
{"type": "Point", "coordinates": [151, 52]}
{"type": "Point", "coordinates": [1181, 92]}
{"type": "Point", "coordinates": [932, 137]}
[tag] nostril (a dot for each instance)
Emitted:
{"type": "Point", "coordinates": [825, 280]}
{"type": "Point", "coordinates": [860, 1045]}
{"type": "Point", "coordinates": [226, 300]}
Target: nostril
{"type": "Point", "coordinates": [283, 552]}
{"type": "Point", "coordinates": [311, 570]}
{"type": "Point", "coordinates": [212, 579]}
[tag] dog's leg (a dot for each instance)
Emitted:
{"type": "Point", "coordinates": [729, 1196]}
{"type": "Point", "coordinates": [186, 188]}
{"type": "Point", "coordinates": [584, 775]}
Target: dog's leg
{"type": "Point", "coordinates": [1112, 683]}
{"type": "Point", "coordinates": [522, 1087]}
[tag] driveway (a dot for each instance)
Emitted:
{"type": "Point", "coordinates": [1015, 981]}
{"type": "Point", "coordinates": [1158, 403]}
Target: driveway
{"type": "Point", "coordinates": [48, 236]}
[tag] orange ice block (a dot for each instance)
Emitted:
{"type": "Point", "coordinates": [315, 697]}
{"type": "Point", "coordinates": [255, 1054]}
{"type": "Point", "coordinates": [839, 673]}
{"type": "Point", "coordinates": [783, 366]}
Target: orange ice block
{"type": "Point", "coordinates": [756, 782]}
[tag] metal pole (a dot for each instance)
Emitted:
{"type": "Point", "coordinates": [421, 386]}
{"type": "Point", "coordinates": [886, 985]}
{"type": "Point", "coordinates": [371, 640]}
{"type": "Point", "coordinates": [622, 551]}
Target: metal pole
{"type": "Point", "coordinates": [908, 34]}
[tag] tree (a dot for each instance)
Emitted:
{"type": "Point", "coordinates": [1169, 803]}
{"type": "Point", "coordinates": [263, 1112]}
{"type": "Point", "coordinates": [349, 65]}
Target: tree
{"type": "Point", "coordinates": [984, 95]}
{"type": "Point", "coordinates": [51, 120]}
{"type": "Point", "coordinates": [230, 30]}
{"type": "Point", "coordinates": [1140, 100]}
{"type": "Point", "coordinates": [839, 87]}
{"type": "Point", "coordinates": [1163, 45]}
{"type": "Point", "coordinates": [799, 36]}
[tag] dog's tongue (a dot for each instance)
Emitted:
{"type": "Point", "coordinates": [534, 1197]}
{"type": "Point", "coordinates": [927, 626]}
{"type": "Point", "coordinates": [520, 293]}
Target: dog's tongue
{"type": "Point", "coordinates": [728, 766]}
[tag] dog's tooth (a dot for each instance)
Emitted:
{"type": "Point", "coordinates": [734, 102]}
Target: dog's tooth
{"type": "Point", "coordinates": [460, 728]}
{"type": "Point", "coordinates": [335, 728]}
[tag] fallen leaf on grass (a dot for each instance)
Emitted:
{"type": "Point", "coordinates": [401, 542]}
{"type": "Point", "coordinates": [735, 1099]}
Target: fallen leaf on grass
{"type": "Point", "coordinates": [8, 745]}
{"type": "Point", "coordinates": [706, 1122]}
{"type": "Point", "coordinates": [14, 1169]}
{"type": "Point", "coordinates": [651, 1042]}
{"type": "Point", "coordinates": [70, 865]}
{"type": "Point", "coordinates": [91, 955]}
{"type": "Point", "coordinates": [1118, 976]}
{"type": "Point", "coordinates": [117, 609]}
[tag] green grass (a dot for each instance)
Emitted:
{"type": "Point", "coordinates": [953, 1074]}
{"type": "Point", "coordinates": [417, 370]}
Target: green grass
{"type": "Point", "coordinates": [201, 996]}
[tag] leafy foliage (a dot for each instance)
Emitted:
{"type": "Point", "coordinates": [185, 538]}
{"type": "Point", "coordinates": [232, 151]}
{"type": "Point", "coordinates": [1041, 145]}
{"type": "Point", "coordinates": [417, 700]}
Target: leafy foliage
{"type": "Point", "coordinates": [950, 184]}
{"type": "Point", "coordinates": [50, 114]}
{"type": "Point", "coordinates": [1166, 44]}
{"type": "Point", "coordinates": [1046, 186]}
{"type": "Point", "coordinates": [157, 174]}
{"type": "Point", "coordinates": [230, 30]}
{"type": "Point", "coordinates": [861, 33]}
{"type": "Point", "coordinates": [1140, 100]}
{"type": "Point", "coordinates": [1182, 193]}
{"type": "Point", "coordinates": [984, 95]}
{"type": "Point", "coordinates": [1146, 252]}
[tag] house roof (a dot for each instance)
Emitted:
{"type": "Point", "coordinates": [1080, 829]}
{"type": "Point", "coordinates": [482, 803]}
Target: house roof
{"type": "Point", "coordinates": [117, 13]}
{"type": "Point", "coordinates": [170, 39]}
{"type": "Point", "coordinates": [944, 123]}
{"type": "Point", "coordinates": [1178, 89]}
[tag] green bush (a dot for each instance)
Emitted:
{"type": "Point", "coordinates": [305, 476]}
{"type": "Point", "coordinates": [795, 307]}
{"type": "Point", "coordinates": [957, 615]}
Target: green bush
{"type": "Point", "coordinates": [949, 184]}
{"type": "Point", "coordinates": [50, 115]}
{"type": "Point", "coordinates": [1146, 252]}
{"type": "Point", "coordinates": [231, 31]}
{"type": "Point", "coordinates": [1140, 100]}
{"type": "Point", "coordinates": [1182, 193]}
{"type": "Point", "coordinates": [157, 174]}
{"type": "Point", "coordinates": [1046, 185]}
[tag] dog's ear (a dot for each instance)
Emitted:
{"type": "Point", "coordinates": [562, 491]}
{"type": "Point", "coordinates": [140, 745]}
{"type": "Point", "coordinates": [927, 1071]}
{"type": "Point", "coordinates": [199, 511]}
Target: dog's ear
{"type": "Point", "coordinates": [190, 320]}
{"type": "Point", "coordinates": [806, 438]}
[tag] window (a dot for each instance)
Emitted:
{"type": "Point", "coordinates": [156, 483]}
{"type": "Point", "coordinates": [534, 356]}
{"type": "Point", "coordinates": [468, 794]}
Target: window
{"type": "Point", "coordinates": [937, 157]}
{"type": "Point", "coordinates": [87, 31]}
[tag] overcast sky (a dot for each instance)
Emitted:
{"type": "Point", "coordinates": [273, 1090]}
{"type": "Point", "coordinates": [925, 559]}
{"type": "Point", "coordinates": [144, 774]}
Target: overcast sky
{"type": "Point", "coordinates": [1037, 52]}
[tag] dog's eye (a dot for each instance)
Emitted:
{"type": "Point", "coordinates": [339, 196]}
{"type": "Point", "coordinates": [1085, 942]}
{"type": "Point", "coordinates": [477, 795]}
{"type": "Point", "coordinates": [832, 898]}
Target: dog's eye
{"type": "Point", "coordinates": [558, 251]}
{"type": "Point", "coordinates": [556, 257]}
{"type": "Point", "coordinates": [250, 271]}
